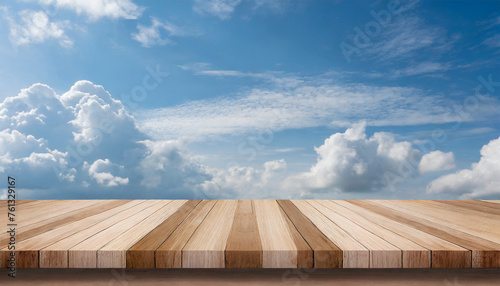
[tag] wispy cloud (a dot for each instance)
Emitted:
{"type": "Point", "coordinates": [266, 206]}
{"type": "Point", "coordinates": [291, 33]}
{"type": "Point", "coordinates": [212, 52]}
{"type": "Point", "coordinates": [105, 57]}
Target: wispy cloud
{"type": "Point", "coordinates": [308, 103]}
{"type": "Point", "coordinates": [493, 42]}
{"type": "Point", "coordinates": [219, 8]}
{"type": "Point", "coordinates": [224, 9]}
{"type": "Point", "coordinates": [159, 33]}
{"type": "Point", "coordinates": [406, 36]}
{"type": "Point", "coordinates": [33, 27]}
{"type": "Point", "coordinates": [97, 9]}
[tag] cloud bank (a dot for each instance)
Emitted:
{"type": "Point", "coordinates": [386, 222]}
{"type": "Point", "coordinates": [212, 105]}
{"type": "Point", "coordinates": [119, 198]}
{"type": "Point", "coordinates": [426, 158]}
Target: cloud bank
{"type": "Point", "coordinates": [481, 181]}
{"type": "Point", "coordinates": [84, 144]}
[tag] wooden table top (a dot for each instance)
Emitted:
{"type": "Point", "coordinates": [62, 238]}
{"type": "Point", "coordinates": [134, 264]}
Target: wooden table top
{"type": "Point", "coordinates": [252, 234]}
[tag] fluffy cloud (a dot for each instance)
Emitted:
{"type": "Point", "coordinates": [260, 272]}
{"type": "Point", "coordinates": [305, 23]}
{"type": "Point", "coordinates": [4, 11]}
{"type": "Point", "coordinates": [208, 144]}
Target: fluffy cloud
{"type": "Point", "coordinates": [73, 144]}
{"type": "Point", "coordinates": [101, 171]}
{"type": "Point", "coordinates": [36, 27]}
{"type": "Point", "coordinates": [95, 9]}
{"type": "Point", "coordinates": [246, 182]}
{"type": "Point", "coordinates": [84, 144]}
{"type": "Point", "coordinates": [481, 181]}
{"type": "Point", "coordinates": [436, 161]}
{"type": "Point", "coordinates": [351, 162]}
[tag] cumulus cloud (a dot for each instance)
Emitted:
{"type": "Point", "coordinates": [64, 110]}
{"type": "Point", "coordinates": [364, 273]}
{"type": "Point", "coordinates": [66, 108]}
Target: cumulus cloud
{"type": "Point", "coordinates": [436, 161]}
{"type": "Point", "coordinates": [96, 9]}
{"type": "Point", "coordinates": [73, 144]}
{"type": "Point", "coordinates": [84, 144]}
{"type": "Point", "coordinates": [101, 171]}
{"type": "Point", "coordinates": [351, 162]}
{"type": "Point", "coordinates": [158, 33]}
{"type": "Point", "coordinates": [481, 181]}
{"type": "Point", "coordinates": [33, 27]}
{"type": "Point", "coordinates": [246, 182]}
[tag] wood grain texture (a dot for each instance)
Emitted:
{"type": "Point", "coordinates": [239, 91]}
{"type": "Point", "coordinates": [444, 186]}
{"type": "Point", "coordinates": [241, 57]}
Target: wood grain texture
{"type": "Point", "coordinates": [305, 255]}
{"type": "Point", "coordinates": [254, 234]}
{"type": "Point", "coordinates": [26, 232]}
{"type": "Point", "coordinates": [278, 247]}
{"type": "Point", "coordinates": [414, 255]}
{"type": "Point", "coordinates": [205, 249]}
{"type": "Point", "coordinates": [444, 250]}
{"type": "Point", "coordinates": [354, 254]}
{"type": "Point", "coordinates": [169, 254]}
{"type": "Point", "coordinates": [142, 254]}
{"type": "Point", "coordinates": [243, 248]}
{"type": "Point", "coordinates": [382, 253]}
{"type": "Point", "coordinates": [113, 254]}
{"type": "Point", "coordinates": [84, 254]}
{"type": "Point", "coordinates": [452, 235]}
{"type": "Point", "coordinates": [56, 254]}
{"type": "Point", "coordinates": [326, 253]}
{"type": "Point", "coordinates": [480, 206]}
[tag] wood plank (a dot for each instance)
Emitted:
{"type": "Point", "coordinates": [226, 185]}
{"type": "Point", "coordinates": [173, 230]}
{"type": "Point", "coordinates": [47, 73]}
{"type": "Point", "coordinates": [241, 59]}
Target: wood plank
{"type": "Point", "coordinates": [84, 254]}
{"type": "Point", "coordinates": [484, 252]}
{"type": "Point", "coordinates": [473, 222]}
{"type": "Point", "coordinates": [278, 247]}
{"type": "Point", "coordinates": [326, 253]}
{"type": "Point", "coordinates": [56, 254]}
{"type": "Point", "coordinates": [492, 201]}
{"type": "Point", "coordinates": [26, 232]}
{"type": "Point", "coordinates": [169, 254]}
{"type": "Point", "coordinates": [34, 214]}
{"type": "Point", "coordinates": [354, 254]}
{"type": "Point", "coordinates": [243, 248]}
{"type": "Point", "coordinates": [28, 250]}
{"type": "Point", "coordinates": [382, 253]}
{"type": "Point", "coordinates": [305, 255]}
{"type": "Point", "coordinates": [474, 205]}
{"type": "Point", "coordinates": [113, 254]}
{"type": "Point", "coordinates": [414, 255]}
{"type": "Point", "coordinates": [142, 254]}
{"type": "Point", "coordinates": [442, 250]}
{"type": "Point", "coordinates": [205, 249]}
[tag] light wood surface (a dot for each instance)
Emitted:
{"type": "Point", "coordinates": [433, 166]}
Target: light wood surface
{"type": "Point", "coordinates": [246, 234]}
{"type": "Point", "coordinates": [243, 249]}
{"type": "Point", "coordinates": [205, 248]}
{"type": "Point", "coordinates": [169, 254]}
{"type": "Point", "coordinates": [142, 254]}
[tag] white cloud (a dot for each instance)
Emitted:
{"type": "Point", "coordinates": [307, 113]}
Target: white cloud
{"type": "Point", "coordinates": [224, 9]}
{"type": "Point", "coordinates": [158, 33]}
{"type": "Point", "coordinates": [83, 143]}
{"type": "Point", "coordinates": [101, 171]}
{"type": "Point", "coordinates": [96, 9]}
{"type": "Point", "coordinates": [291, 102]}
{"type": "Point", "coordinates": [74, 144]}
{"type": "Point", "coordinates": [423, 68]}
{"type": "Point", "coordinates": [219, 8]}
{"type": "Point", "coordinates": [405, 36]}
{"type": "Point", "coordinates": [493, 42]}
{"type": "Point", "coordinates": [481, 181]}
{"type": "Point", "coordinates": [35, 27]}
{"type": "Point", "coordinates": [351, 162]}
{"type": "Point", "coordinates": [436, 161]}
{"type": "Point", "coordinates": [246, 182]}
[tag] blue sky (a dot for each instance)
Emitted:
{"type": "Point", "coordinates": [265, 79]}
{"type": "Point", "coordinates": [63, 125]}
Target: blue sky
{"type": "Point", "coordinates": [250, 99]}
